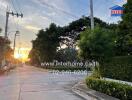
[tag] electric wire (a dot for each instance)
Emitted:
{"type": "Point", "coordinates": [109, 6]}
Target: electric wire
{"type": "Point", "coordinates": [58, 9]}
{"type": "Point", "coordinates": [18, 5]}
{"type": "Point", "coordinates": [13, 5]}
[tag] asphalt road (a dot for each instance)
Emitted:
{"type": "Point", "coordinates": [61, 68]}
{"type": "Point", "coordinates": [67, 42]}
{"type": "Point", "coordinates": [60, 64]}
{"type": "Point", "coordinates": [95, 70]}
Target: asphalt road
{"type": "Point", "coordinates": [30, 83]}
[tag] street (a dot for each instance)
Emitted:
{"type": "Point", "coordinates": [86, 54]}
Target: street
{"type": "Point", "coordinates": [30, 83]}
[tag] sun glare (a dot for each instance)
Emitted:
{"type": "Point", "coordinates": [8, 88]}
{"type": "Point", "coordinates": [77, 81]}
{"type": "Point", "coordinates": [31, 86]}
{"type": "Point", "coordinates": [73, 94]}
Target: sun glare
{"type": "Point", "coordinates": [22, 54]}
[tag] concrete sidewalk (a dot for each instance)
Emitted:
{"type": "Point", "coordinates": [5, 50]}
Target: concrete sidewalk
{"type": "Point", "coordinates": [82, 90]}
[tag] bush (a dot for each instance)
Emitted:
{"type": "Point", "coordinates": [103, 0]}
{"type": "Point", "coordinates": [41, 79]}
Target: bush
{"type": "Point", "coordinates": [117, 90]}
{"type": "Point", "coordinates": [96, 72]}
{"type": "Point", "coordinates": [118, 68]}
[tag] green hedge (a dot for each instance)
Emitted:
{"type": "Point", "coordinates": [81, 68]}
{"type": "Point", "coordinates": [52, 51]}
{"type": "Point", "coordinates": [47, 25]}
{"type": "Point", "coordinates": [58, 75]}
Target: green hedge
{"type": "Point", "coordinates": [118, 68]}
{"type": "Point", "coordinates": [114, 89]}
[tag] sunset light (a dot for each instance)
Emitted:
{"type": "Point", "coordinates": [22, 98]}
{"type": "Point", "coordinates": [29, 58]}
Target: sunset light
{"type": "Point", "coordinates": [22, 54]}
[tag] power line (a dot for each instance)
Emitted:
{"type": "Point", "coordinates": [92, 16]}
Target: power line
{"type": "Point", "coordinates": [18, 5]}
{"type": "Point", "coordinates": [13, 5]}
{"type": "Point", "coordinates": [7, 19]}
{"type": "Point", "coordinates": [58, 9]}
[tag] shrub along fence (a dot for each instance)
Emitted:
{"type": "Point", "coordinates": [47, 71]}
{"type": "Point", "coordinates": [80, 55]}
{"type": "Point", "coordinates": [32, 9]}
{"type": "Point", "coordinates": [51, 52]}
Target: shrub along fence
{"type": "Point", "coordinates": [118, 90]}
{"type": "Point", "coordinates": [118, 68]}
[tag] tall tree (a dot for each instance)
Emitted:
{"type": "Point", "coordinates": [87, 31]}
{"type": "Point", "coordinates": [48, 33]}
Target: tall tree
{"type": "Point", "coordinates": [47, 42]}
{"type": "Point", "coordinates": [124, 42]}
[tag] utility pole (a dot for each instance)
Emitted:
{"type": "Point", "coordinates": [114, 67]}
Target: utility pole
{"type": "Point", "coordinates": [92, 22]}
{"type": "Point", "coordinates": [6, 27]}
{"type": "Point", "coordinates": [91, 14]}
{"type": "Point", "coordinates": [8, 13]}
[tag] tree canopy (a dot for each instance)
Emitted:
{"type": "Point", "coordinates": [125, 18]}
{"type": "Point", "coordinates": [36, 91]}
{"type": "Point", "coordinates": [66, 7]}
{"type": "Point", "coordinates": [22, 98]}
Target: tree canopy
{"type": "Point", "coordinates": [124, 41]}
{"type": "Point", "coordinates": [46, 43]}
{"type": "Point", "coordinates": [5, 43]}
{"type": "Point", "coordinates": [72, 31]}
{"type": "Point", "coordinates": [96, 44]}
{"type": "Point", "coordinates": [49, 41]}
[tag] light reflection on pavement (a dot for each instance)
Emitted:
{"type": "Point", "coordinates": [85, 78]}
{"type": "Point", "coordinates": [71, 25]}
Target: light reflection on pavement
{"type": "Point", "coordinates": [30, 83]}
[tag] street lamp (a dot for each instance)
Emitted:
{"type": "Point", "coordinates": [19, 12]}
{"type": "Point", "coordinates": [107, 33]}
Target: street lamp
{"type": "Point", "coordinates": [16, 34]}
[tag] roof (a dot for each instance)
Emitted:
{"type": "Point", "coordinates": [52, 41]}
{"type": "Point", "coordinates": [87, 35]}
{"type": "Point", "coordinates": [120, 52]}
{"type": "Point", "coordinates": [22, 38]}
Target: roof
{"type": "Point", "coordinates": [116, 7]}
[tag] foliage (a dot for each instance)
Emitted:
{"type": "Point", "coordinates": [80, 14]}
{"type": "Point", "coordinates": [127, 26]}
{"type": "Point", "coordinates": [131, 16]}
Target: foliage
{"type": "Point", "coordinates": [124, 41]}
{"type": "Point", "coordinates": [118, 90]}
{"type": "Point", "coordinates": [0, 30]}
{"type": "Point", "coordinates": [35, 57]}
{"type": "Point", "coordinates": [9, 53]}
{"type": "Point", "coordinates": [97, 44]}
{"type": "Point", "coordinates": [72, 31]}
{"type": "Point", "coordinates": [96, 72]}
{"type": "Point", "coordinates": [118, 68]}
{"type": "Point", "coordinates": [50, 40]}
{"type": "Point", "coordinates": [5, 49]}
{"type": "Point", "coordinates": [67, 54]}
{"type": "Point", "coordinates": [46, 43]}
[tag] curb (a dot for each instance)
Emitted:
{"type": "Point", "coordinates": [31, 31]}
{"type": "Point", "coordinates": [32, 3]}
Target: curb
{"type": "Point", "coordinates": [81, 90]}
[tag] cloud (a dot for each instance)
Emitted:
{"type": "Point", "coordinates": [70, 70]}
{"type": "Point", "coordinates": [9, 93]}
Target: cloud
{"type": "Point", "coordinates": [4, 4]}
{"type": "Point", "coordinates": [52, 14]}
{"type": "Point", "coordinates": [54, 7]}
{"type": "Point", "coordinates": [32, 28]}
{"type": "Point", "coordinates": [3, 7]}
{"type": "Point", "coordinates": [36, 17]}
{"type": "Point", "coordinates": [32, 23]}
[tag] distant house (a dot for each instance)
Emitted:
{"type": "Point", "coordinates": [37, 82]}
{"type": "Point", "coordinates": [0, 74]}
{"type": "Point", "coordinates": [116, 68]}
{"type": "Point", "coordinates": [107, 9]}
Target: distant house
{"type": "Point", "coordinates": [117, 11]}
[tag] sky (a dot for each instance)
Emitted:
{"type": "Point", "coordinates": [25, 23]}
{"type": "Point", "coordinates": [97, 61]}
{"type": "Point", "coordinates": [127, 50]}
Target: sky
{"type": "Point", "coordinates": [38, 14]}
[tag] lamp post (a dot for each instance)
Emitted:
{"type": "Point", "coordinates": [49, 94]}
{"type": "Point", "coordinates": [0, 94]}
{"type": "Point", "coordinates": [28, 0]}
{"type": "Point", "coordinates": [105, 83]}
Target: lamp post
{"type": "Point", "coordinates": [14, 46]}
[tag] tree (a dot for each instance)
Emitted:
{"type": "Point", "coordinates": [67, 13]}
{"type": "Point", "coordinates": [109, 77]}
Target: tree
{"type": "Point", "coordinates": [47, 43]}
{"type": "Point", "coordinates": [0, 30]}
{"type": "Point", "coordinates": [97, 44]}
{"type": "Point", "coordinates": [34, 57]}
{"type": "Point", "coordinates": [72, 31]}
{"type": "Point", "coordinates": [9, 53]}
{"type": "Point", "coordinates": [5, 50]}
{"type": "Point", "coordinates": [124, 41]}
{"type": "Point", "coordinates": [51, 39]}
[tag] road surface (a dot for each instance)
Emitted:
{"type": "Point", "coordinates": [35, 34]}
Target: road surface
{"type": "Point", "coordinates": [30, 83]}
